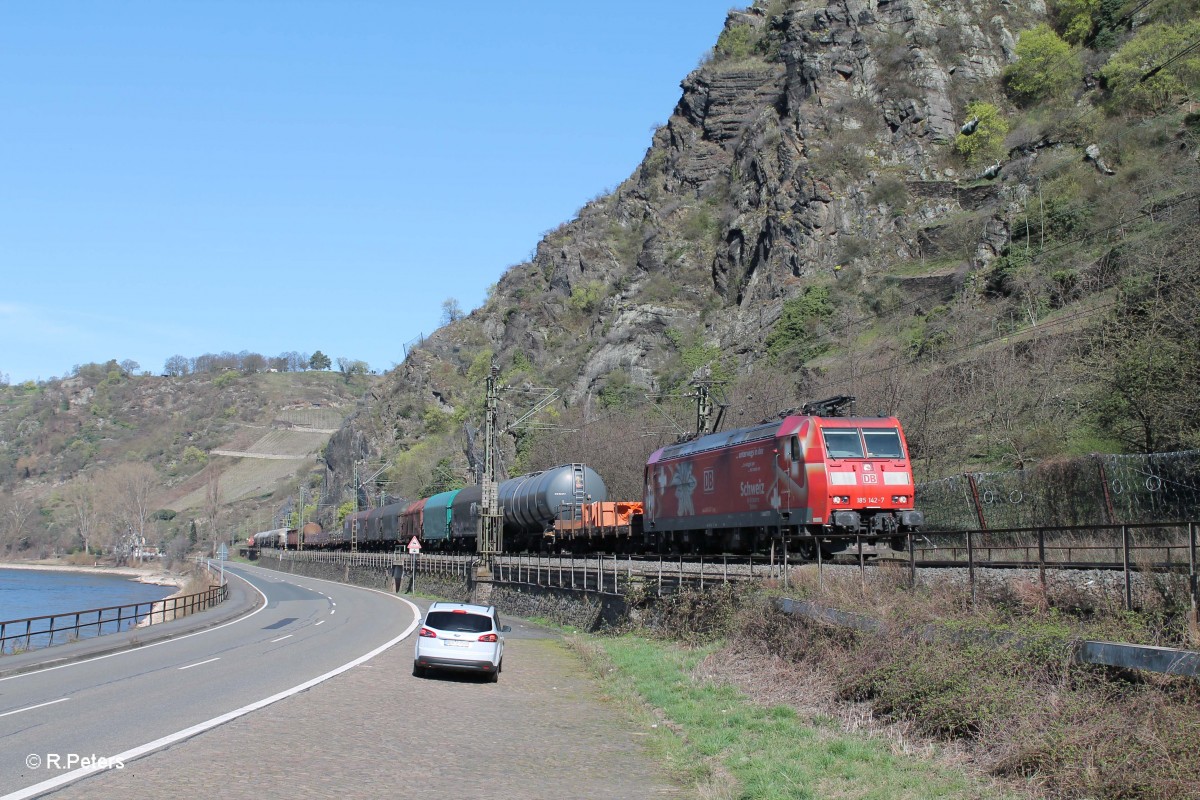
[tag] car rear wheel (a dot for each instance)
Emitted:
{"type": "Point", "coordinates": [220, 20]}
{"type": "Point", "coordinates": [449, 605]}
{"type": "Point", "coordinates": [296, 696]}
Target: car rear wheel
{"type": "Point", "coordinates": [418, 671]}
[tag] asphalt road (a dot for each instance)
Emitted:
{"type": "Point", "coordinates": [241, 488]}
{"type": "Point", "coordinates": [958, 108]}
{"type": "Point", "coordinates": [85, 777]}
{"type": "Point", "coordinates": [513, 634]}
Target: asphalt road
{"type": "Point", "coordinates": [120, 706]}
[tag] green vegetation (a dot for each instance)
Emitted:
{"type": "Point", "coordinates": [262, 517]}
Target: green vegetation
{"type": "Point", "coordinates": [728, 746]}
{"type": "Point", "coordinates": [794, 332]}
{"type": "Point", "coordinates": [1046, 68]}
{"type": "Point", "coordinates": [1154, 69]}
{"type": "Point", "coordinates": [585, 299]}
{"type": "Point", "coordinates": [736, 43]}
{"type": "Point", "coordinates": [986, 144]}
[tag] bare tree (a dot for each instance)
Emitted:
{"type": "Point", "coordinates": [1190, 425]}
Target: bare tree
{"type": "Point", "coordinates": [15, 513]}
{"type": "Point", "coordinates": [130, 490]}
{"type": "Point", "coordinates": [81, 501]}
{"type": "Point", "coordinates": [177, 366]}
{"type": "Point", "coordinates": [212, 500]}
{"type": "Point", "coordinates": [451, 311]}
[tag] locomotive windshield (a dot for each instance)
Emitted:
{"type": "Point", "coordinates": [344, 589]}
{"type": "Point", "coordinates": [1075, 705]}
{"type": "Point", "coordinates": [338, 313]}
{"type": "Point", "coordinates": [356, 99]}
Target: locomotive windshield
{"type": "Point", "coordinates": [883, 443]}
{"type": "Point", "coordinates": [849, 443]}
{"type": "Point", "coordinates": [843, 443]}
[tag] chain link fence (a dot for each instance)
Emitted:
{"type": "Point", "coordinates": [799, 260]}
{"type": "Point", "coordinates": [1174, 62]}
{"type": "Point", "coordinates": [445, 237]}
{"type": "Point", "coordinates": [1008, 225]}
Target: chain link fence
{"type": "Point", "coordinates": [1095, 490]}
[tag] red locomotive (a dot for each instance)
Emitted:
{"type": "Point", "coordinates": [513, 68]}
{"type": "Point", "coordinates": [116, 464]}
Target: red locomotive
{"type": "Point", "coordinates": [810, 479]}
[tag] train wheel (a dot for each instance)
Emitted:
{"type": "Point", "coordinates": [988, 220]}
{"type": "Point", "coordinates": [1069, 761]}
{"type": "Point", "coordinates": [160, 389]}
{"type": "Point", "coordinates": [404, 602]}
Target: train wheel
{"type": "Point", "coordinates": [807, 549]}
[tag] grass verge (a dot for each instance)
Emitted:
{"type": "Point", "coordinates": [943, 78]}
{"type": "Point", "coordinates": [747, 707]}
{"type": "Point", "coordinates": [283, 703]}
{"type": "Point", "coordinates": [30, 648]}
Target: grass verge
{"type": "Point", "coordinates": [728, 746]}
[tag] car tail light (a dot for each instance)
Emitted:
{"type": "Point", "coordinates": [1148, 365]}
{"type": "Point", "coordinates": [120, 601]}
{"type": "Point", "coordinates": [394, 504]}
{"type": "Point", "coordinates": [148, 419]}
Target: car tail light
{"type": "Point", "coordinates": [429, 633]}
{"type": "Point", "coordinates": [488, 637]}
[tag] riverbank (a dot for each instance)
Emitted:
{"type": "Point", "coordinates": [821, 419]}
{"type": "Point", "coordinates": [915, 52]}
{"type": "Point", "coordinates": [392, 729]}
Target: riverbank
{"type": "Point", "coordinates": [146, 574]}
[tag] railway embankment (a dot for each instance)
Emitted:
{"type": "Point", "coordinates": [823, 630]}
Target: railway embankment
{"type": "Point", "coordinates": [980, 678]}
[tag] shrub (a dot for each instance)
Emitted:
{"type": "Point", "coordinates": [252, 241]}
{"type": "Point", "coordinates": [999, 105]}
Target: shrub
{"type": "Point", "coordinates": [1046, 67]}
{"type": "Point", "coordinates": [797, 320]}
{"type": "Point", "coordinates": [1145, 75]}
{"type": "Point", "coordinates": [1074, 18]}
{"type": "Point", "coordinates": [735, 43]}
{"type": "Point", "coordinates": [586, 298]}
{"type": "Point", "coordinates": [986, 144]}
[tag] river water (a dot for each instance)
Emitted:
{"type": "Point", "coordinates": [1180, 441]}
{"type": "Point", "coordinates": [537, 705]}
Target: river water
{"type": "Point", "coordinates": [34, 593]}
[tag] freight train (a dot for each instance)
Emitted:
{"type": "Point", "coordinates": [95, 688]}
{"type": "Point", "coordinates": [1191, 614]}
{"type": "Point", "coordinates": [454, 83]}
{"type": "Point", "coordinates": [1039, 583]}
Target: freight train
{"type": "Point", "coordinates": [803, 481]}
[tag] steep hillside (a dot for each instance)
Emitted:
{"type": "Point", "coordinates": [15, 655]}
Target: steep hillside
{"type": "Point", "coordinates": [200, 443]}
{"type": "Point", "coordinates": [979, 216]}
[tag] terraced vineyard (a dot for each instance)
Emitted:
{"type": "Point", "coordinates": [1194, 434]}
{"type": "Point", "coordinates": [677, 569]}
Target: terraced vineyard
{"type": "Point", "coordinates": [276, 456]}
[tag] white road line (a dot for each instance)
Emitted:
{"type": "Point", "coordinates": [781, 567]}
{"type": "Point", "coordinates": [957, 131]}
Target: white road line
{"type": "Point", "coordinates": [332, 611]}
{"type": "Point", "coordinates": [31, 708]}
{"type": "Point", "coordinates": [281, 638]}
{"type": "Point", "coordinates": [322, 622]}
{"type": "Point", "coordinates": [201, 663]}
{"type": "Point", "coordinates": [187, 733]}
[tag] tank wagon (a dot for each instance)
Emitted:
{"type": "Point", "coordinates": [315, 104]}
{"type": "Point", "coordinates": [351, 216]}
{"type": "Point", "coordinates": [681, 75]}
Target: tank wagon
{"type": "Point", "coordinates": [450, 520]}
{"type": "Point", "coordinates": [288, 539]}
{"type": "Point", "coordinates": [276, 538]}
{"type": "Point", "coordinates": [804, 479]}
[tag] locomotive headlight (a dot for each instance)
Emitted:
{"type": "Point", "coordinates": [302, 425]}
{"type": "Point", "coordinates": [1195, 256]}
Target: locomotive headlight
{"type": "Point", "coordinates": [899, 498]}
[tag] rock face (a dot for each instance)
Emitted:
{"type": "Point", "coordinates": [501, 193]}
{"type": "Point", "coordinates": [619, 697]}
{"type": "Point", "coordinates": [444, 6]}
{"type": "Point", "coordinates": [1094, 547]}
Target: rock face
{"type": "Point", "coordinates": [819, 150]}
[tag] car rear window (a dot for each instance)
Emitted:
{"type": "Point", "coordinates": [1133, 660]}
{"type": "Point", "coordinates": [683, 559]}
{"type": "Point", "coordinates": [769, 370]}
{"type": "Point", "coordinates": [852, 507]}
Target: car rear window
{"type": "Point", "coordinates": [459, 622]}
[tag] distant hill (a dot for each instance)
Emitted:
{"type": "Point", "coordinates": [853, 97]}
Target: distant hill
{"type": "Point", "coordinates": [252, 436]}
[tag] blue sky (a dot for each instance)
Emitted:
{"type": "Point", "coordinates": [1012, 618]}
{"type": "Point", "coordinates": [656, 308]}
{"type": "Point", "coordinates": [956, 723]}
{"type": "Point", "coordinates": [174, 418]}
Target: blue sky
{"type": "Point", "coordinates": [195, 177]}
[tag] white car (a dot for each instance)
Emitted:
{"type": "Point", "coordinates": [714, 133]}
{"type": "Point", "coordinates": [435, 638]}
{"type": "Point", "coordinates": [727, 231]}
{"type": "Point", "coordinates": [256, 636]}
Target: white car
{"type": "Point", "coordinates": [461, 636]}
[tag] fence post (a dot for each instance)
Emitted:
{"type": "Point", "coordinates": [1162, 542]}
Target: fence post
{"type": "Point", "coordinates": [1125, 567]}
{"type": "Point", "coordinates": [912, 560]}
{"type": "Point", "coordinates": [786, 578]}
{"type": "Point", "coordinates": [1192, 571]}
{"type": "Point", "coordinates": [978, 505]}
{"type": "Point", "coordinates": [820, 564]}
{"type": "Point", "coordinates": [862, 561]}
{"type": "Point", "coordinates": [1041, 533]}
{"type": "Point", "coordinates": [971, 565]}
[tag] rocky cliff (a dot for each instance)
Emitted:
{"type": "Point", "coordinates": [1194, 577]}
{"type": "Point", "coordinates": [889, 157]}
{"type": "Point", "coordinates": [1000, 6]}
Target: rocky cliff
{"type": "Point", "coordinates": [815, 158]}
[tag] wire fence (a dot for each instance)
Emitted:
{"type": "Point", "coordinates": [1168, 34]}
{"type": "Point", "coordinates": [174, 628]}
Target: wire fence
{"type": "Point", "coordinates": [1096, 490]}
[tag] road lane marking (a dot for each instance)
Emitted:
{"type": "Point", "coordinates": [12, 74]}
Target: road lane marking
{"type": "Point", "coordinates": [201, 663]}
{"type": "Point", "coordinates": [187, 733]}
{"type": "Point", "coordinates": [31, 708]}
{"type": "Point", "coordinates": [281, 638]}
{"type": "Point", "coordinates": [322, 622]}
